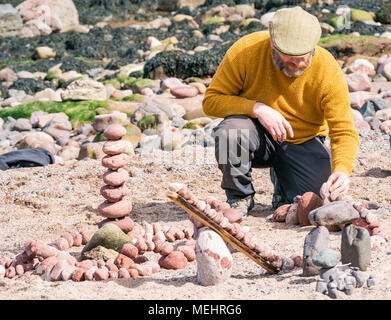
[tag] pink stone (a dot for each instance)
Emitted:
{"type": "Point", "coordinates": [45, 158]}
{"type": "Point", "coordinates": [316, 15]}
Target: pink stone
{"type": "Point", "coordinates": [115, 147]}
{"type": "Point", "coordinates": [188, 251]}
{"type": "Point", "coordinates": [123, 273]}
{"type": "Point", "coordinates": [280, 213]}
{"type": "Point", "coordinates": [77, 239]}
{"type": "Point", "coordinates": [115, 162]}
{"type": "Point", "coordinates": [115, 210]}
{"type": "Point", "coordinates": [175, 260]}
{"type": "Point", "coordinates": [291, 218]}
{"type": "Point", "coordinates": [114, 194]}
{"type": "Point", "coordinates": [182, 92]}
{"type": "Point", "coordinates": [114, 132]}
{"type": "Point", "coordinates": [115, 178]}
{"type": "Point", "coordinates": [308, 202]}
{"type": "Point", "coordinates": [166, 249]}
{"type": "Point", "coordinates": [358, 82]}
{"type": "Point", "coordinates": [101, 274]}
{"type": "Point", "coordinates": [126, 224]}
{"type": "Point", "coordinates": [129, 250]}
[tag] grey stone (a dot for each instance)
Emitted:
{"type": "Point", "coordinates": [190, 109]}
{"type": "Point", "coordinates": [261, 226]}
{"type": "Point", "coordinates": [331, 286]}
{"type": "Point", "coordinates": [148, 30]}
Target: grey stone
{"type": "Point", "coordinates": [150, 143]}
{"type": "Point", "coordinates": [337, 212]}
{"type": "Point", "coordinates": [350, 284]}
{"type": "Point", "coordinates": [332, 290]}
{"type": "Point", "coordinates": [19, 95]}
{"type": "Point", "coordinates": [356, 246]}
{"type": "Point", "coordinates": [326, 258]}
{"type": "Point", "coordinates": [374, 123]}
{"type": "Point", "coordinates": [341, 282]}
{"type": "Point", "coordinates": [329, 273]}
{"type": "Point", "coordinates": [321, 286]}
{"type": "Point", "coordinates": [22, 124]}
{"type": "Point", "coordinates": [34, 117]}
{"type": "Point", "coordinates": [383, 212]}
{"type": "Point", "coordinates": [370, 107]}
{"type": "Point", "coordinates": [10, 21]}
{"type": "Point", "coordinates": [85, 129]}
{"type": "Point", "coordinates": [360, 278]}
{"type": "Point", "coordinates": [9, 123]}
{"type": "Point", "coordinates": [370, 281]}
{"type": "Point", "coordinates": [314, 242]}
{"type": "Point", "coordinates": [371, 205]}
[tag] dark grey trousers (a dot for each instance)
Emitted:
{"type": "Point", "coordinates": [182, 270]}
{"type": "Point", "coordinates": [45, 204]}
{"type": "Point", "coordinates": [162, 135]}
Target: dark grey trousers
{"type": "Point", "coordinates": [242, 143]}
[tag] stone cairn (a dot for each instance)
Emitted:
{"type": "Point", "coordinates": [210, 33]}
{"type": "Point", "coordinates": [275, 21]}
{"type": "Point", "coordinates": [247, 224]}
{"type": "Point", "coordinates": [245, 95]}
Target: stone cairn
{"type": "Point", "coordinates": [360, 233]}
{"type": "Point", "coordinates": [214, 262]}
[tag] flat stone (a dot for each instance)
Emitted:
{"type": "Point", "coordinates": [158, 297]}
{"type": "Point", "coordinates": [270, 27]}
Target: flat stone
{"type": "Point", "coordinates": [337, 212]}
{"type": "Point", "coordinates": [356, 246]}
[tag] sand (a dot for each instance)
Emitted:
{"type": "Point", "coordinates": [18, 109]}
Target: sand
{"type": "Point", "coordinates": [46, 202]}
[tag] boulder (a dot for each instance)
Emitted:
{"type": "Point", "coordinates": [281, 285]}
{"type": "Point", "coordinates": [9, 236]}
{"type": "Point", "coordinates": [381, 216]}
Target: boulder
{"type": "Point", "coordinates": [58, 15]}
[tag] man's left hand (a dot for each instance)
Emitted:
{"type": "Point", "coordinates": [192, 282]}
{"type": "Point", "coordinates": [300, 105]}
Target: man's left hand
{"type": "Point", "coordinates": [338, 184]}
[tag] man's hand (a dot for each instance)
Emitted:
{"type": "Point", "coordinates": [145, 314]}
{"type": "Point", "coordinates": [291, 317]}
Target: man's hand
{"type": "Point", "coordinates": [338, 183]}
{"type": "Point", "coordinates": [273, 121]}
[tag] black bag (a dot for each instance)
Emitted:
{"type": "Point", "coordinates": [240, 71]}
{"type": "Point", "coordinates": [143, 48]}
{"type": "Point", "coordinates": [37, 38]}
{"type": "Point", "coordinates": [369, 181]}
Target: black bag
{"type": "Point", "coordinates": [26, 158]}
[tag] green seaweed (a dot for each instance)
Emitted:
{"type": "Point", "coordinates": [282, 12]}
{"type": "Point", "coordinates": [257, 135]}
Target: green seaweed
{"type": "Point", "coordinates": [76, 110]}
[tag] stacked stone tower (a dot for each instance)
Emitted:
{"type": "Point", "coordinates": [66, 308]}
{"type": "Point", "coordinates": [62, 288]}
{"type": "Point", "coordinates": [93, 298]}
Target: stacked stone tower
{"type": "Point", "coordinates": [115, 208]}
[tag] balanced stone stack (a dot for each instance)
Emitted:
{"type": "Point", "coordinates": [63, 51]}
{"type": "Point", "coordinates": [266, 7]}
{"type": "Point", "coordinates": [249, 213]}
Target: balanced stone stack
{"type": "Point", "coordinates": [116, 208]}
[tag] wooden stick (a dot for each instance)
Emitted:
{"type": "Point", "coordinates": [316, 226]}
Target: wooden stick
{"type": "Point", "coordinates": [200, 216]}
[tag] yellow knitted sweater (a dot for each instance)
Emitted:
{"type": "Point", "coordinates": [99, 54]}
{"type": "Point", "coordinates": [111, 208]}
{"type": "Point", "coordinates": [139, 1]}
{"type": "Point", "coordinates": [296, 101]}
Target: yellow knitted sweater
{"type": "Point", "coordinates": [314, 103]}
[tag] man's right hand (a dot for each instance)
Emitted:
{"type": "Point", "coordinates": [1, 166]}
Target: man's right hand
{"type": "Point", "coordinates": [272, 121]}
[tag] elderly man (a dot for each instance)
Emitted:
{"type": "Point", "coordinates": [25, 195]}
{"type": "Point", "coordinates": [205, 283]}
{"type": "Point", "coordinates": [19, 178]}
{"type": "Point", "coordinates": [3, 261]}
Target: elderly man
{"type": "Point", "coordinates": [280, 95]}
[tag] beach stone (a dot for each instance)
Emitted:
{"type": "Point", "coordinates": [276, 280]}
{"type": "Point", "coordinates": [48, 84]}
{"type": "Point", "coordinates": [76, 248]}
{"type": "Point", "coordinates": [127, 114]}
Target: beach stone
{"type": "Point", "coordinates": [101, 122]}
{"type": "Point", "coordinates": [358, 98]}
{"type": "Point", "coordinates": [332, 290]}
{"type": "Point", "coordinates": [280, 213]}
{"type": "Point", "coordinates": [329, 273]}
{"type": "Point", "coordinates": [118, 147]}
{"type": "Point", "coordinates": [184, 91]}
{"type": "Point", "coordinates": [214, 261]}
{"type": "Point", "coordinates": [57, 134]}
{"type": "Point", "coordinates": [315, 241]}
{"type": "Point", "coordinates": [333, 213]}
{"type": "Point", "coordinates": [370, 107]}
{"type": "Point", "coordinates": [7, 74]}
{"type": "Point", "coordinates": [370, 282]}
{"type": "Point", "coordinates": [307, 202]}
{"type": "Point", "coordinates": [169, 83]}
{"type": "Point", "coordinates": [10, 21]}
{"type": "Point", "coordinates": [171, 139]}
{"type": "Point", "coordinates": [109, 236]}
{"type": "Point", "coordinates": [115, 209]}
{"type": "Point", "coordinates": [292, 218]}
{"type": "Point", "coordinates": [126, 224]}
{"type": "Point", "coordinates": [326, 258]}
{"type": "Point", "coordinates": [114, 194]}
{"type": "Point", "coordinates": [116, 161]}
{"type": "Point", "coordinates": [101, 274]}
{"type": "Point", "coordinates": [360, 276]}
{"type": "Point", "coordinates": [114, 132]}
{"type": "Point", "coordinates": [100, 253]}
{"type": "Point", "coordinates": [356, 246]}
{"type": "Point", "coordinates": [175, 260]}
{"type": "Point", "coordinates": [45, 52]}
{"type": "Point", "coordinates": [321, 286]}
{"type": "Point", "coordinates": [115, 178]}
{"type": "Point", "coordinates": [22, 124]}
{"type": "Point", "coordinates": [58, 15]}
{"type": "Point", "coordinates": [85, 89]}
{"type": "Point", "coordinates": [129, 250]}
{"type": "Point", "coordinates": [350, 284]}
{"type": "Point", "coordinates": [358, 81]}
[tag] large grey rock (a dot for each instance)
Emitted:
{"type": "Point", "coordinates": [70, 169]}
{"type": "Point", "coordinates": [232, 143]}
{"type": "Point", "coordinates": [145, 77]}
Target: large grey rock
{"type": "Point", "coordinates": [314, 242]}
{"type": "Point", "coordinates": [326, 258]}
{"type": "Point", "coordinates": [214, 261]}
{"type": "Point", "coordinates": [10, 21]}
{"type": "Point", "coordinates": [337, 212]}
{"type": "Point", "coordinates": [356, 246]}
{"type": "Point", "coordinates": [370, 107]}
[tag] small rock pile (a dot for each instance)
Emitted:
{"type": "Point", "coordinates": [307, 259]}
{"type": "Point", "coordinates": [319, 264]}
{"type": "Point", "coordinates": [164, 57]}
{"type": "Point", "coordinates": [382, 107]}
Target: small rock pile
{"type": "Point", "coordinates": [214, 263]}
{"type": "Point", "coordinates": [336, 277]}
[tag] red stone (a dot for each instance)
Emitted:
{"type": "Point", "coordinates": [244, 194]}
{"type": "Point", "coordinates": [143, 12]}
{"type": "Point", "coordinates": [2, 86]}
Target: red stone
{"type": "Point", "coordinates": [280, 213]}
{"type": "Point", "coordinates": [115, 162]}
{"type": "Point", "coordinates": [129, 250]}
{"type": "Point", "coordinates": [78, 275]}
{"type": "Point", "coordinates": [308, 202]}
{"type": "Point", "coordinates": [114, 132]}
{"type": "Point", "coordinates": [115, 178]}
{"type": "Point", "coordinates": [122, 261]}
{"type": "Point", "coordinates": [114, 194]}
{"type": "Point", "coordinates": [175, 260]}
{"type": "Point", "coordinates": [115, 210]}
{"type": "Point", "coordinates": [166, 249]}
{"type": "Point", "coordinates": [115, 147]}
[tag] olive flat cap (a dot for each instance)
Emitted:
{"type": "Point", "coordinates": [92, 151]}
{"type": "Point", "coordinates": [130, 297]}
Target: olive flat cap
{"type": "Point", "coordinates": [294, 32]}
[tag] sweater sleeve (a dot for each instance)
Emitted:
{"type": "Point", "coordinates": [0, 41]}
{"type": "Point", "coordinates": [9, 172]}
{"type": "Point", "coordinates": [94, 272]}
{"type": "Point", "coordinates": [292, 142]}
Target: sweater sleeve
{"type": "Point", "coordinates": [344, 140]}
{"type": "Point", "coordinates": [222, 98]}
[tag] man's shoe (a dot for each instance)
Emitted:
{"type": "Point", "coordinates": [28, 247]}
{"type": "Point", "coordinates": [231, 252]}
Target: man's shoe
{"type": "Point", "coordinates": [243, 205]}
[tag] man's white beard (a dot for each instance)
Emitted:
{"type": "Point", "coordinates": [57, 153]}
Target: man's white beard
{"type": "Point", "coordinates": [280, 66]}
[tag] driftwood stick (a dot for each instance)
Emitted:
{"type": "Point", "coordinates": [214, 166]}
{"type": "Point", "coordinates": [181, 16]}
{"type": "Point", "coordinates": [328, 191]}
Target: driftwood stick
{"type": "Point", "coordinates": [200, 216]}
